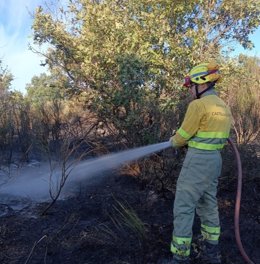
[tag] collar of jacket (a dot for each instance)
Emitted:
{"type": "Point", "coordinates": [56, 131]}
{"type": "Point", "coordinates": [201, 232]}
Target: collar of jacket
{"type": "Point", "coordinates": [209, 92]}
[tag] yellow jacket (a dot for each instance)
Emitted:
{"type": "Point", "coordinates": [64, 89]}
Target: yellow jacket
{"type": "Point", "coordinates": [206, 124]}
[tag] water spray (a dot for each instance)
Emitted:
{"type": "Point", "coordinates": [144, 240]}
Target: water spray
{"type": "Point", "coordinates": [115, 160]}
{"type": "Point", "coordinates": [34, 182]}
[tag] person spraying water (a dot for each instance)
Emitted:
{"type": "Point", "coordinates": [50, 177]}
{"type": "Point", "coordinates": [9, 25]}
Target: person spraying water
{"type": "Point", "coordinates": [205, 129]}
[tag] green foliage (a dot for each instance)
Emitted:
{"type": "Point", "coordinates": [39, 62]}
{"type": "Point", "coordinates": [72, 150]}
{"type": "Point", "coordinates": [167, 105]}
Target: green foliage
{"type": "Point", "coordinates": [6, 119]}
{"type": "Point", "coordinates": [5, 79]}
{"type": "Point", "coordinates": [242, 91]}
{"type": "Point", "coordinates": [131, 55]}
{"type": "Point", "coordinates": [46, 96]}
{"type": "Point", "coordinates": [43, 89]}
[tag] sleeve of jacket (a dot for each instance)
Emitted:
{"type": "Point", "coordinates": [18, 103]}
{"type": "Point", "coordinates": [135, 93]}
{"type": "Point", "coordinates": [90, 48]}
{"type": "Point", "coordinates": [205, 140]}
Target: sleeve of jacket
{"type": "Point", "coordinates": [190, 125]}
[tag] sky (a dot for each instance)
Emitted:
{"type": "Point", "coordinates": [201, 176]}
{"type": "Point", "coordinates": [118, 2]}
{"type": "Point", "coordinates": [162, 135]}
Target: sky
{"type": "Point", "coordinates": [255, 38]}
{"type": "Point", "coordinates": [16, 34]}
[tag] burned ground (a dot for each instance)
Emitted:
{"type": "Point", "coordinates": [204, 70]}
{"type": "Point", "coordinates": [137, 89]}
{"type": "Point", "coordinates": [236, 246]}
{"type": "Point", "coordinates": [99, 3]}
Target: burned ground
{"type": "Point", "coordinates": [118, 220]}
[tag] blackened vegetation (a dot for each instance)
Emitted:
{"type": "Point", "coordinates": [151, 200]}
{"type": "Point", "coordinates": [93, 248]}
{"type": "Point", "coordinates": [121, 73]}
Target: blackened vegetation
{"type": "Point", "coordinates": [127, 218]}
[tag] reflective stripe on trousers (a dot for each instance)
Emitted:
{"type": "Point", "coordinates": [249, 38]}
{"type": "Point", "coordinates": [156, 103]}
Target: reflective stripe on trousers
{"type": "Point", "coordinates": [181, 246]}
{"type": "Point", "coordinates": [210, 233]}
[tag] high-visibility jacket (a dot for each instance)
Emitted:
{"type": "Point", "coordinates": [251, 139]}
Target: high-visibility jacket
{"type": "Point", "coordinates": [206, 124]}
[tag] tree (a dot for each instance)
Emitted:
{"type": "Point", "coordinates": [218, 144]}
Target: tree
{"type": "Point", "coordinates": [46, 96]}
{"type": "Point", "coordinates": [242, 91]}
{"type": "Point", "coordinates": [90, 35]}
{"type": "Point", "coordinates": [5, 79]}
{"type": "Point", "coordinates": [6, 121]}
{"type": "Point", "coordinates": [132, 55]}
{"type": "Point", "coordinates": [21, 119]}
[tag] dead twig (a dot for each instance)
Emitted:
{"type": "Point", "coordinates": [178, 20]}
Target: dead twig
{"type": "Point", "coordinates": [34, 246]}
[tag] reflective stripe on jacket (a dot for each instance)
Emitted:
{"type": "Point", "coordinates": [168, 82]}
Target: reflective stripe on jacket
{"type": "Point", "coordinates": [206, 124]}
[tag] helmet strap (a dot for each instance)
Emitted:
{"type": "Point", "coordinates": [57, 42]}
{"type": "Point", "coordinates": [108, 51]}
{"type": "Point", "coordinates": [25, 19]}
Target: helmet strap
{"type": "Point", "coordinates": [197, 91]}
{"type": "Point", "coordinates": [198, 95]}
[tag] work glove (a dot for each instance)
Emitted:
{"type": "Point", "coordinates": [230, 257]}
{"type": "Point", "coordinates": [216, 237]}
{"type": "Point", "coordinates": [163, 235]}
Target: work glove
{"type": "Point", "coordinates": [172, 142]}
{"type": "Point", "coordinates": [173, 145]}
{"type": "Point", "coordinates": [171, 139]}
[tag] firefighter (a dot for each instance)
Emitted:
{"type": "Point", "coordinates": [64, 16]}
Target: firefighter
{"type": "Point", "coordinates": [205, 129]}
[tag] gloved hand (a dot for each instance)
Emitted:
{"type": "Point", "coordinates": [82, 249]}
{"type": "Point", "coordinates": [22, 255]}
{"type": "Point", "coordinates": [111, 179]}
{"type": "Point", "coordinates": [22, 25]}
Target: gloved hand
{"type": "Point", "coordinates": [172, 142]}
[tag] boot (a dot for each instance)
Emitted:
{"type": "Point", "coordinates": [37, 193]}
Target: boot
{"type": "Point", "coordinates": [210, 253]}
{"type": "Point", "coordinates": [176, 260]}
{"type": "Point", "coordinates": [180, 260]}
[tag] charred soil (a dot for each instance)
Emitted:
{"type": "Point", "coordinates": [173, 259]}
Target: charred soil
{"type": "Point", "coordinates": [118, 220]}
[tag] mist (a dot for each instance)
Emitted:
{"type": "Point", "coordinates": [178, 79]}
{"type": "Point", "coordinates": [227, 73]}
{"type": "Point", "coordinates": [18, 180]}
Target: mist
{"type": "Point", "coordinates": [34, 181]}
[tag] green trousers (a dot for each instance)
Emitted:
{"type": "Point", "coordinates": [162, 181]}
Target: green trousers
{"type": "Point", "coordinates": [196, 191]}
